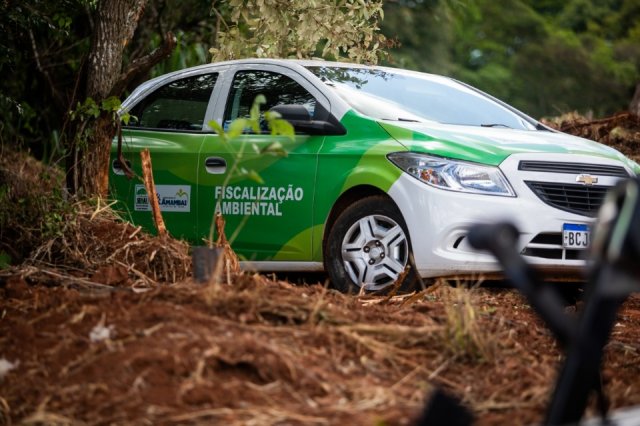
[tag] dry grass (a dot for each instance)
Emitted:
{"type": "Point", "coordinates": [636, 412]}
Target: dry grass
{"type": "Point", "coordinates": [93, 239]}
{"type": "Point", "coordinates": [463, 334]}
{"type": "Point", "coordinates": [64, 238]}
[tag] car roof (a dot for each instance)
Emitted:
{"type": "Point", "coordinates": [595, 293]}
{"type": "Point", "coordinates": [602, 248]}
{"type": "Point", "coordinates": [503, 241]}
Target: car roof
{"type": "Point", "coordinates": [298, 64]}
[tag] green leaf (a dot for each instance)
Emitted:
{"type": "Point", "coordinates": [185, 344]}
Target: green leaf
{"type": "Point", "coordinates": [254, 176]}
{"type": "Point", "coordinates": [282, 127]}
{"type": "Point", "coordinates": [236, 128]}
{"type": "Point", "coordinates": [255, 108]}
{"type": "Point", "coordinates": [126, 117]}
{"type": "Point", "coordinates": [111, 104]}
{"type": "Point", "coordinates": [218, 129]}
{"type": "Point", "coordinates": [5, 260]}
{"type": "Point", "coordinates": [272, 115]}
{"type": "Point", "coordinates": [275, 148]}
{"type": "Point", "coordinates": [255, 126]}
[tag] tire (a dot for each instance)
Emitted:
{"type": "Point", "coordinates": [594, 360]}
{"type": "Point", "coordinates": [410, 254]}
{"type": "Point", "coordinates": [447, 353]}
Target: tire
{"type": "Point", "coordinates": [368, 248]}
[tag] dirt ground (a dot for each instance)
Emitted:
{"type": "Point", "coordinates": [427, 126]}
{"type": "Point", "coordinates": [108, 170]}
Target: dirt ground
{"type": "Point", "coordinates": [266, 352]}
{"type": "Point", "coordinates": [103, 324]}
{"type": "Point", "coordinates": [620, 131]}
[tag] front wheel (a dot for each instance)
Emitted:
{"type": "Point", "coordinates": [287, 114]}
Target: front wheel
{"type": "Point", "coordinates": [368, 247]}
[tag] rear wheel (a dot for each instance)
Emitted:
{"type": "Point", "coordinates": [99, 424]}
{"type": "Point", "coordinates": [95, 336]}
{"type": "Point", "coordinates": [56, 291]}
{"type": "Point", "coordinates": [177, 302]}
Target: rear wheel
{"type": "Point", "coordinates": [368, 247]}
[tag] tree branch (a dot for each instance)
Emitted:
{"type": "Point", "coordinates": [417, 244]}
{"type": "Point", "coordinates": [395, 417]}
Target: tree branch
{"type": "Point", "coordinates": [143, 65]}
{"type": "Point", "coordinates": [36, 55]}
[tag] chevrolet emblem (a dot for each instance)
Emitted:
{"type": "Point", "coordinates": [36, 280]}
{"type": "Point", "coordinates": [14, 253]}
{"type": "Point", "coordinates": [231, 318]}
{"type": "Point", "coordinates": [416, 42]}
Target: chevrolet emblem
{"type": "Point", "coordinates": [587, 179]}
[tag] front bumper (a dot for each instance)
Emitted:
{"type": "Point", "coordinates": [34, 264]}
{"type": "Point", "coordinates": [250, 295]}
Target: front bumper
{"type": "Point", "coordinates": [438, 221]}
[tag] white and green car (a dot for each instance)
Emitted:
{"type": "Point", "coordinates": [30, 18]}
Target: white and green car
{"type": "Point", "coordinates": [388, 169]}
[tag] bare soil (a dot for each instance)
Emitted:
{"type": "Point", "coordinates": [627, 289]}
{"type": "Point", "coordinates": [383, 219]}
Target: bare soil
{"type": "Point", "coordinates": [103, 324]}
{"type": "Point", "coordinates": [266, 352]}
{"type": "Point", "coordinates": [620, 131]}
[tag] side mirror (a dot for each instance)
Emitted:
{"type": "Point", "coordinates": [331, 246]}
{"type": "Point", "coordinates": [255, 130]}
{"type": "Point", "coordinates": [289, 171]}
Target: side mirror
{"type": "Point", "coordinates": [301, 121]}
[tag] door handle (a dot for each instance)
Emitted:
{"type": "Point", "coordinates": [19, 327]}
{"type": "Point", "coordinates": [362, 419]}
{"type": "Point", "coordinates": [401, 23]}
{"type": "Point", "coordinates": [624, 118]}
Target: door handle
{"type": "Point", "coordinates": [215, 165]}
{"type": "Point", "coordinates": [117, 167]}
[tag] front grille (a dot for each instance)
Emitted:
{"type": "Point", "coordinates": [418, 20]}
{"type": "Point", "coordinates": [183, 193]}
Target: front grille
{"type": "Point", "coordinates": [549, 246]}
{"type": "Point", "coordinates": [578, 199]}
{"type": "Point", "coordinates": [572, 168]}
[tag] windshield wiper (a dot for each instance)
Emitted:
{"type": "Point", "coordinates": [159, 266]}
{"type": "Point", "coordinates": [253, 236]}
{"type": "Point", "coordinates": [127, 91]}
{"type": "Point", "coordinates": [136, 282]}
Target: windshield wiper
{"type": "Point", "coordinates": [496, 125]}
{"type": "Point", "coordinates": [411, 120]}
{"type": "Point", "coordinates": [542, 127]}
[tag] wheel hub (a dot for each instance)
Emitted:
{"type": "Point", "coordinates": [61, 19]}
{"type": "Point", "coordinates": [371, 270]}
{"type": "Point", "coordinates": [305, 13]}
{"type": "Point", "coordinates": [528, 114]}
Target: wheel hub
{"type": "Point", "coordinates": [375, 251]}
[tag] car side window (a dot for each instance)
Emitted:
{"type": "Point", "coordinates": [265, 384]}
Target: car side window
{"type": "Point", "coordinates": [278, 89]}
{"type": "Point", "coordinates": [179, 105]}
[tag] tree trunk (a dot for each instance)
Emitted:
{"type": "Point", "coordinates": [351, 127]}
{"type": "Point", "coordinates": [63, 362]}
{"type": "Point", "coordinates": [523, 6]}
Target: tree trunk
{"type": "Point", "coordinates": [634, 106]}
{"type": "Point", "coordinates": [116, 21]}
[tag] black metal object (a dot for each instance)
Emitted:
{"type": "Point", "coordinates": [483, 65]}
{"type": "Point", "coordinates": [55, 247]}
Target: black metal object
{"type": "Point", "coordinates": [205, 263]}
{"type": "Point", "coordinates": [444, 409]}
{"type": "Point", "coordinates": [614, 273]}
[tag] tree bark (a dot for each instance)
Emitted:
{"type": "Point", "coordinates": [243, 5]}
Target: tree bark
{"type": "Point", "coordinates": [115, 24]}
{"type": "Point", "coordinates": [116, 21]}
{"type": "Point", "coordinates": [634, 106]}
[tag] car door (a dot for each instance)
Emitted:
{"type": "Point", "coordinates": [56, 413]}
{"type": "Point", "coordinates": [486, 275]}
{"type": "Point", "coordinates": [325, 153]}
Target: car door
{"type": "Point", "coordinates": [169, 122]}
{"type": "Point", "coordinates": [262, 184]}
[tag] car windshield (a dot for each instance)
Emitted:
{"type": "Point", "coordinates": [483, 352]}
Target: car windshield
{"type": "Point", "coordinates": [387, 95]}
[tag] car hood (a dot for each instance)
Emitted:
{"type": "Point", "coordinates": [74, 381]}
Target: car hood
{"type": "Point", "coordinates": [491, 145]}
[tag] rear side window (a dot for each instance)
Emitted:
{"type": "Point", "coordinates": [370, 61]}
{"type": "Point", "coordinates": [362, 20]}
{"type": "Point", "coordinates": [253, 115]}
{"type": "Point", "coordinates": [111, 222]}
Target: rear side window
{"type": "Point", "coordinates": [278, 89]}
{"type": "Point", "coordinates": [179, 105]}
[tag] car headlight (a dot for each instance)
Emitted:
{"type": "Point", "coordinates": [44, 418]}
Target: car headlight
{"type": "Point", "coordinates": [452, 174]}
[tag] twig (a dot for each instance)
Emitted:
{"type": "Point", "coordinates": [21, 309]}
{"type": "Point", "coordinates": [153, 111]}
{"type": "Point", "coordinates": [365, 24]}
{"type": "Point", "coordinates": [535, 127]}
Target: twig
{"type": "Point", "coordinates": [99, 210]}
{"type": "Point", "coordinates": [74, 280]}
{"type": "Point", "coordinates": [138, 273]}
{"type": "Point", "coordinates": [438, 370]}
{"type": "Point", "coordinates": [147, 172]}
{"type": "Point", "coordinates": [134, 233]}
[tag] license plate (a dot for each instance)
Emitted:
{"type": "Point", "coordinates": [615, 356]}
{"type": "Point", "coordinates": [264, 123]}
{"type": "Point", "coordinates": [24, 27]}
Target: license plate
{"type": "Point", "coordinates": [575, 236]}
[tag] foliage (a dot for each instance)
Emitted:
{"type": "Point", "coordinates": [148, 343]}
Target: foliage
{"type": "Point", "coordinates": [41, 50]}
{"type": "Point", "coordinates": [194, 28]}
{"type": "Point", "coordinates": [5, 260]}
{"type": "Point", "coordinates": [544, 56]}
{"type": "Point", "coordinates": [32, 205]}
{"type": "Point", "coordinates": [332, 29]}
{"type": "Point", "coordinates": [276, 126]}
{"type": "Point", "coordinates": [424, 32]}
{"type": "Point", "coordinates": [89, 110]}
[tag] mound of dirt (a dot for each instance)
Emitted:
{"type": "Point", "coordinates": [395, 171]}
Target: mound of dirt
{"type": "Point", "coordinates": [620, 131]}
{"type": "Point", "coordinates": [86, 241]}
{"type": "Point", "coordinates": [267, 352]}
